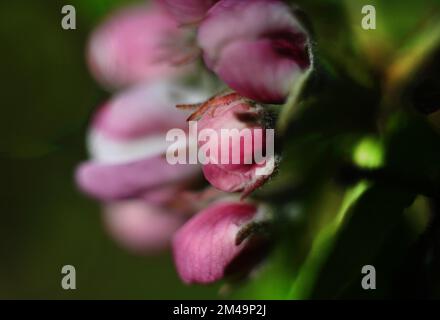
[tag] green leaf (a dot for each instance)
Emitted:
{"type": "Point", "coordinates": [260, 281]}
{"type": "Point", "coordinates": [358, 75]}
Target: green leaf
{"type": "Point", "coordinates": [360, 238]}
{"type": "Point", "coordinates": [305, 280]}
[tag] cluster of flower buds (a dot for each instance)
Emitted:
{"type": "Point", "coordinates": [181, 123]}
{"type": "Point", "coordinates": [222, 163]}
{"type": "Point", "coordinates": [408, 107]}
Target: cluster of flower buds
{"type": "Point", "coordinates": [257, 48]}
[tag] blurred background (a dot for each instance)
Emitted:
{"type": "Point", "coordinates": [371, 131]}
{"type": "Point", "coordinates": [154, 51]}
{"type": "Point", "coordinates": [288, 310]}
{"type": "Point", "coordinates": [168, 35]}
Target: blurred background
{"type": "Point", "coordinates": [46, 223]}
{"type": "Point", "coordinates": [378, 109]}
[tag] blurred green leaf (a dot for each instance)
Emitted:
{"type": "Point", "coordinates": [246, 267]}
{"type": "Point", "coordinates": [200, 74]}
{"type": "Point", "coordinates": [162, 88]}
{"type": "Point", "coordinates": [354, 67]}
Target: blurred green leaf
{"type": "Point", "coordinates": [360, 238]}
{"type": "Point", "coordinates": [309, 271]}
{"type": "Point", "coordinates": [97, 9]}
{"type": "Point", "coordinates": [406, 62]}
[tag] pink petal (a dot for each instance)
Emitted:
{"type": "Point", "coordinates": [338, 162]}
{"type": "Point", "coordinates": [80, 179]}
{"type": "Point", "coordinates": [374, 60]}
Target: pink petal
{"type": "Point", "coordinates": [145, 109]}
{"type": "Point", "coordinates": [127, 142]}
{"type": "Point", "coordinates": [255, 70]}
{"type": "Point", "coordinates": [232, 20]}
{"type": "Point", "coordinates": [140, 227]}
{"type": "Point", "coordinates": [224, 117]}
{"type": "Point", "coordinates": [233, 176]}
{"type": "Point", "coordinates": [106, 150]}
{"type": "Point", "coordinates": [222, 178]}
{"type": "Point", "coordinates": [133, 45]}
{"type": "Point", "coordinates": [188, 11]}
{"type": "Point", "coordinates": [205, 246]}
{"type": "Point", "coordinates": [134, 123]}
{"type": "Point", "coordinates": [132, 179]}
{"type": "Point", "coordinates": [161, 196]}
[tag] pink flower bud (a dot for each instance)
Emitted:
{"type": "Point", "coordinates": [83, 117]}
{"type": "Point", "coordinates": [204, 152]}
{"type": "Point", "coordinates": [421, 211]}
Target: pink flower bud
{"type": "Point", "coordinates": [127, 142]}
{"type": "Point", "coordinates": [137, 44]}
{"type": "Point", "coordinates": [140, 227]}
{"type": "Point", "coordinates": [209, 242]}
{"type": "Point", "coordinates": [257, 47]}
{"type": "Point", "coordinates": [241, 148]}
{"type": "Point", "coordinates": [188, 11]}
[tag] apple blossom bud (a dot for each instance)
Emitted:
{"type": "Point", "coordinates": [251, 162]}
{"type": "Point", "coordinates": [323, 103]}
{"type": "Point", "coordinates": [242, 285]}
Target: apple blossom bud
{"type": "Point", "coordinates": [188, 11]}
{"type": "Point", "coordinates": [238, 146]}
{"type": "Point", "coordinates": [206, 245]}
{"type": "Point", "coordinates": [257, 47]}
{"type": "Point", "coordinates": [137, 44]}
{"type": "Point", "coordinates": [127, 143]}
{"type": "Point", "coordinates": [141, 227]}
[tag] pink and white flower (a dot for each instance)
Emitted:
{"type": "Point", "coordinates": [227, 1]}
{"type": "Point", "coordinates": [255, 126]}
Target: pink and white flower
{"type": "Point", "coordinates": [127, 143]}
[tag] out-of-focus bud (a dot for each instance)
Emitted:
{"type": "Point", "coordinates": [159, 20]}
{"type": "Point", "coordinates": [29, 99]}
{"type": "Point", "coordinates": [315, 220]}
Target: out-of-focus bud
{"type": "Point", "coordinates": [137, 44]}
{"type": "Point", "coordinates": [238, 146]}
{"type": "Point", "coordinates": [257, 47]}
{"type": "Point", "coordinates": [205, 247]}
{"type": "Point", "coordinates": [188, 11]}
{"type": "Point", "coordinates": [141, 227]}
{"type": "Point", "coordinates": [127, 143]}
